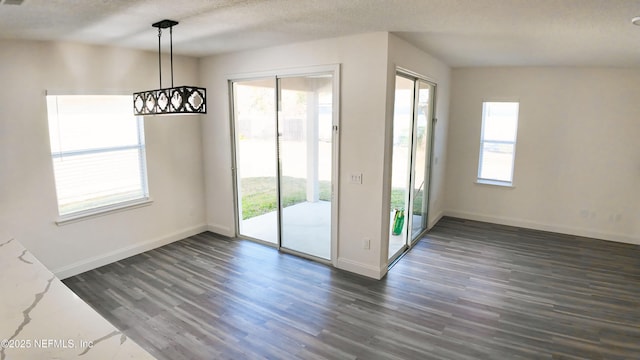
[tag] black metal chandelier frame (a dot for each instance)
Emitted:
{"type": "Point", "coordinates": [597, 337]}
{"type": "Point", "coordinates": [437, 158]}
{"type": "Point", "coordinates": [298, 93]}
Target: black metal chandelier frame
{"type": "Point", "coordinates": [173, 100]}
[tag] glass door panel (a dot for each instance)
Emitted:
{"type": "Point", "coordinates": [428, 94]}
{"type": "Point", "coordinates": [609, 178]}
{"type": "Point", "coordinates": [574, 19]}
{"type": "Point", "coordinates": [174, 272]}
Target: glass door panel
{"type": "Point", "coordinates": [422, 131]}
{"type": "Point", "coordinates": [413, 111]}
{"type": "Point", "coordinates": [401, 164]}
{"type": "Point", "coordinates": [254, 115]}
{"type": "Point", "coordinates": [305, 122]}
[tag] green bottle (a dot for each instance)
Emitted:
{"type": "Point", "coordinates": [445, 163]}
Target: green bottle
{"type": "Point", "coordinates": [398, 222]}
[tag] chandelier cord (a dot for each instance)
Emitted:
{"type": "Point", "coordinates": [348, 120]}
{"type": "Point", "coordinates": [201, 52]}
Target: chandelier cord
{"type": "Point", "coordinates": [160, 57]}
{"type": "Point", "coordinates": [171, 44]}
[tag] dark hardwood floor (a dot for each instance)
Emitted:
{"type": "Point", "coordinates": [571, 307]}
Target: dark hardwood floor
{"type": "Point", "coordinates": [468, 290]}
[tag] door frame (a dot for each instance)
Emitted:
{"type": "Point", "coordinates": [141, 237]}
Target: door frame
{"type": "Point", "coordinates": [334, 69]}
{"type": "Point", "coordinates": [409, 241]}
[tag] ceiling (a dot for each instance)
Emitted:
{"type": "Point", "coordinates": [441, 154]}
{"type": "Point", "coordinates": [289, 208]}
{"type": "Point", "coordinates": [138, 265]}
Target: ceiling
{"type": "Point", "coordinates": [459, 32]}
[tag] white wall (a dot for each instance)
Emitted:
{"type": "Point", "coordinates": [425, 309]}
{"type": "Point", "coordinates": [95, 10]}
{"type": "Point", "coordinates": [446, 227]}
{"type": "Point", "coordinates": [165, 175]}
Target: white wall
{"type": "Point", "coordinates": [364, 127]}
{"type": "Point", "coordinates": [28, 205]}
{"type": "Point", "coordinates": [577, 166]}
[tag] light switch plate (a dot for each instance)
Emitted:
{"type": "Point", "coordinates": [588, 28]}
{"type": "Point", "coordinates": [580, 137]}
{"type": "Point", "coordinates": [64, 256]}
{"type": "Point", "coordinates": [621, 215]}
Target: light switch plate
{"type": "Point", "coordinates": [356, 178]}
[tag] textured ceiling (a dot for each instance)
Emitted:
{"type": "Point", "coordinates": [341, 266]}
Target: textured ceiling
{"type": "Point", "coordinates": [459, 32]}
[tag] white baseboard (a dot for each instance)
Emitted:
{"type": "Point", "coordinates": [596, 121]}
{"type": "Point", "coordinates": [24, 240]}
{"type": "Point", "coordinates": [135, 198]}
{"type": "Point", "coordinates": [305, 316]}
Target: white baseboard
{"type": "Point", "coordinates": [435, 219]}
{"type": "Point", "coordinates": [222, 230]}
{"type": "Point", "coordinates": [123, 253]}
{"type": "Point", "coordinates": [361, 269]}
{"type": "Point", "coordinates": [544, 227]}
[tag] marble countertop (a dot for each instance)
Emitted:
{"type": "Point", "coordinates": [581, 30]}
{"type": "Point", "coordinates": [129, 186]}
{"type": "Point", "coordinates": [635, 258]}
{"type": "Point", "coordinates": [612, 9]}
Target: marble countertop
{"type": "Point", "coordinates": [40, 318]}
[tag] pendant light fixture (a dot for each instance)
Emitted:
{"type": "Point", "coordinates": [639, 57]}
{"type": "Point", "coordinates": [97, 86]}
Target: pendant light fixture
{"type": "Point", "coordinates": [173, 100]}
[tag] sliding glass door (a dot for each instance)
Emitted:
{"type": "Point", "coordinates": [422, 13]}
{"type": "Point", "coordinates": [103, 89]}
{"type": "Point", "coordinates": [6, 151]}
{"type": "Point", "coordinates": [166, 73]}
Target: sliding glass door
{"type": "Point", "coordinates": [401, 163]}
{"type": "Point", "coordinates": [305, 152]}
{"type": "Point", "coordinates": [254, 117]}
{"type": "Point", "coordinates": [412, 128]}
{"type": "Point", "coordinates": [421, 157]}
{"type": "Point", "coordinates": [284, 149]}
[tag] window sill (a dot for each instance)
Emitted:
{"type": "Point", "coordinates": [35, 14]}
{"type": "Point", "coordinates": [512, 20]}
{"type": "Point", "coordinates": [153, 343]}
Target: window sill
{"type": "Point", "coordinates": [102, 211]}
{"type": "Point", "coordinates": [495, 183]}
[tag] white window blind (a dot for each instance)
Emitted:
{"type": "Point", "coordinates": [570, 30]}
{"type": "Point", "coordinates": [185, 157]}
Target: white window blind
{"type": "Point", "coordinates": [498, 142]}
{"type": "Point", "coordinates": [98, 152]}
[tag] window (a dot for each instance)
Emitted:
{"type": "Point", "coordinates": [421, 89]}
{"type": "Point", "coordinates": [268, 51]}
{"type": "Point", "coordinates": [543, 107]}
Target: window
{"type": "Point", "coordinates": [98, 153]}
{"type": "Point", "coordinates": [498, 142]}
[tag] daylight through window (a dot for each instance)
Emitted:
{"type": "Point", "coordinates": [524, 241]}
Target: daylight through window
{"type": "Point", "coordinates": [98, 152]}
{"type": "Point", "coordinates": [498, 142]}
